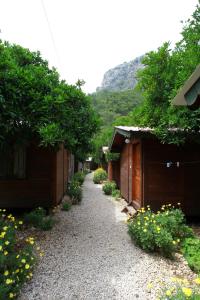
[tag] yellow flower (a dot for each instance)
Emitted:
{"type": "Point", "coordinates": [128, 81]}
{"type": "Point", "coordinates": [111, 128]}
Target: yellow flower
{"type": "Point", "coordinates": [20, 222]}
{"type": "Point", "coordinates": [27, 266]}
{"type": "Point", "coordinates": [145, 230]}
{"type": "Point", "coordinates": [187, 291]}
{"type": "Point", "coordinates": [149, 285]}
{"type": "Point", "coordinates": [23, 261]}
{"type": "Point", "coordinates": [5, 228]}
{"type": "Point", "coordinates": [2, 234]}
{"type": "Point", "coordinates": [197, 280]}
{"type": "Point", "coordinates": [6, 273]}
{"type": "Point", "coordinates": [9, 281]}
{"type": "Point", "coordinates": [174, 242]}
{"type": "Point", "coordinates": [5, 253]}
{"type": "Point", "coordinates": [1, 248]}
{"type": "Point", "coordinates": [7, 242]}
{"type": "Point", "coordinates": [168, 293]}
{"type": "Point", "coordinates": [11, 295]}
{"type": "Point", "coordinates": [41, 253]}
{"type": "Point", "coordinates": [17, 271]}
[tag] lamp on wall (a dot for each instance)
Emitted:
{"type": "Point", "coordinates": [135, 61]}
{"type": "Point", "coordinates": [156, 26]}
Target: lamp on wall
{"type": "Point", "coordinates": [127, 141]}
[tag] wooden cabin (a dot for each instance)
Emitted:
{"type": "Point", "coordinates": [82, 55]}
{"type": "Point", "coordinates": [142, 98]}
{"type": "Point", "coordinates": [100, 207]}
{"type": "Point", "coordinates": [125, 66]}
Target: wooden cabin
{"type": "Point", "coordinates": [34, 176]}
{"type": "Point", "coordinates": [151, 173]}
{"type": "Point", "coordinates": [189, 94]}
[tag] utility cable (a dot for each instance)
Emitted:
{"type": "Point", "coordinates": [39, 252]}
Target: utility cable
{"type": "Point", "coordinates": [51, 32]}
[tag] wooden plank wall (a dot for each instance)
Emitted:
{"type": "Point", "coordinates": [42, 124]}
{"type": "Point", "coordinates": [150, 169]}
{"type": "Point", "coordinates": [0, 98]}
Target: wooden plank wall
{"type": "Point", "coordinates": [164, 185]}
{"type": "Point", "coordinates": [124, 172]}
{"type": "Point", "coordinates": [37, 188]}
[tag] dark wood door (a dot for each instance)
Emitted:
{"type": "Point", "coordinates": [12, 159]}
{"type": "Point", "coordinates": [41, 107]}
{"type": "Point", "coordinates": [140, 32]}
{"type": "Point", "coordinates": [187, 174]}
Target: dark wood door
{"type": "Point", "coordinates": [136, 173]}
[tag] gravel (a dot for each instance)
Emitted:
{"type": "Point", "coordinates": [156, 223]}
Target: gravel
{"type": "Point", "coordinates": [89, 255]}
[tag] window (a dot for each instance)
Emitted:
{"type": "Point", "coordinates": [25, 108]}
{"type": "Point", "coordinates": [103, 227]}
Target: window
{"type": "Point", "coordinates": [13, 162]}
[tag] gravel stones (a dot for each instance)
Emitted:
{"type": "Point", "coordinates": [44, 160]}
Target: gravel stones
{"type": "Point", "coordinates": [89, 256]}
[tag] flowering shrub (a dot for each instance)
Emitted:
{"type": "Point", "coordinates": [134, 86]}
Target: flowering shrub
{"type": "Point", "coordinates": [109, 187]}
{"type": "Point", "coordinates": [99, 175]}
{"type": "Point", "coordinates": [16, 257]}
{"type": "Point", "coordinates": [181, 289]}
{"type": "Point", "coordinates": [162, 231]}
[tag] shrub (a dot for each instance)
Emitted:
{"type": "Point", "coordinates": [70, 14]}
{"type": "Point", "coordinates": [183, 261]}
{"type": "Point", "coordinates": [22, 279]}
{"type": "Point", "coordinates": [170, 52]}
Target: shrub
{"type": "Point", "coordinates": [79, 177]}
{"type": "Point", "coordinates": [75, 191]}
{"type": "Point", "coordinates": [116, 194]}
{"type": "Point", "coordinates": [191, 251]}
{"type": "Point", "coordinates": [38, 219]}
{"type": "Point", "coordinates": [109, 187]}
{"type": "Point", "coordinates": [66, 206]}
{"type": "Point", "coordinates": [161, 231]}
{"type": "Point", "coordinates": [99, 175]}
{"type": "Point", "coordinates": [16, 257]}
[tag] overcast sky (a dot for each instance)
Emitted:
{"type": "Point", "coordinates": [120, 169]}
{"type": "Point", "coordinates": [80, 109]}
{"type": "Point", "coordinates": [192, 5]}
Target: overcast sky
{"type": "Point", "coordinates": [85, 38]}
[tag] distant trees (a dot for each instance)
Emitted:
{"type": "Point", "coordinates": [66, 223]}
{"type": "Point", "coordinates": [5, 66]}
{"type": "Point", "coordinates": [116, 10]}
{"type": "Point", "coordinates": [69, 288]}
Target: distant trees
{"type": "Point", "coordinates": [35, 103]}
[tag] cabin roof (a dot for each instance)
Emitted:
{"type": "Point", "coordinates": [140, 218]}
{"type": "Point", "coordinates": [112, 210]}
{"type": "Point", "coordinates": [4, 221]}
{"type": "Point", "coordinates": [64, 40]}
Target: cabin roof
{"type": "Point", "coordinates": [189, 93]}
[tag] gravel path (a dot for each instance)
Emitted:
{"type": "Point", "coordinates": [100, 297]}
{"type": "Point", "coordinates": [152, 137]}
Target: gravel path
{"type": "Point", "coordinates": [89, 255]}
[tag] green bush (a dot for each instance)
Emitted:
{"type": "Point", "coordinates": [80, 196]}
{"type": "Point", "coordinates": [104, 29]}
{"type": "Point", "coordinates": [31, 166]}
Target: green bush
{"type": "Point", "coordinates": [109, 187]}
{"type": "Point", "coordinates": [66, 206]}
{"type": "Point", "coordinates": [38, 219]}
{"type": "Point", "coordinates": [79, 177]}
{"type": "Point", "coordinates": [161, 231]}
{"type": "Point", "coordinates": [75, 191]}
{"type": "Point", "coordinates": [191, 251]}
{"type": "Point", "coordinates": [99, 175]}
{"type": "Point", "coordinates": [16, 257]}
{"type": "Point", "coordinates": [116, 194]}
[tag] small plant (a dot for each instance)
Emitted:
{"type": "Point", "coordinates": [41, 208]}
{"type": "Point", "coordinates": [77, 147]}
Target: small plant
{"type": "Point", "coordinates": [16, 257]}
{"type": "Point", "coordinates": [66, 206]}
{"type": "Point", "coordinates": [162, 231]}
{"type": "Point", "coordinates": [181, 289]}
{"type": "Point", "coordinates": [75, 191]}
{"type": "Point", "coordinates": [99, 175]}
{"type": "Point", "coordinates": [191, 251]}
{"type": "Point", "coordinates": [79, 177]}
{"type": "Point", "coordinates": [116, 194]}
{"type": "Point", "coordinates": [109, 187]}
{"type": "Point", "coordinates": [38, 219]}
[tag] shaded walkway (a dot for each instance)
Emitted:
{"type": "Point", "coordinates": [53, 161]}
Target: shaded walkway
{"type": "Point", "coordinates": [89, 255]}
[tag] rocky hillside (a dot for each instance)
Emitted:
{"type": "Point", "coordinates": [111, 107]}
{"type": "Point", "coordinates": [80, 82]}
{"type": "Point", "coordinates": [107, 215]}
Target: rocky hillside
{"type": "Point", "coordinates": [122, 77]}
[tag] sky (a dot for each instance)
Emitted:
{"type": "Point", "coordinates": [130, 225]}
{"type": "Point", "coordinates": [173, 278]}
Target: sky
{"type": "Point", "coordinates": [85, 38]}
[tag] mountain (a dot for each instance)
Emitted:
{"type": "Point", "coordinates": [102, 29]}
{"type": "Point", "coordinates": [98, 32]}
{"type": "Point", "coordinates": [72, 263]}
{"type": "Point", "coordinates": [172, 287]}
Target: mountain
{"type": "Point", "coordinates": [121, 77]}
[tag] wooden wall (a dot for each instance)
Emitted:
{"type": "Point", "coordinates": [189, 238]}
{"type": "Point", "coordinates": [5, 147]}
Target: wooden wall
{"type": "Point", "coordinates": [125, 171]}
{"type": "Point", "coordinates": [37, 188]}
{"type": "Point", "coordinates": [61, 178]}
{"type": "Point", "coordinates": [163, 185]}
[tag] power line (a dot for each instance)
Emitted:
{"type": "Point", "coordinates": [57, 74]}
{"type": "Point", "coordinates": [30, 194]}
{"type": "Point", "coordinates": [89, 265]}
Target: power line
{"type": "Point", "coordinates": [51, 32]}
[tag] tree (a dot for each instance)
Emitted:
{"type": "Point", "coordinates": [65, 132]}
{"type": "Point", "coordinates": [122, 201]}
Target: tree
{"type": "Point", "coordinates": [35, 103]}
{"type": "Point", "coordinates": [165, 72]}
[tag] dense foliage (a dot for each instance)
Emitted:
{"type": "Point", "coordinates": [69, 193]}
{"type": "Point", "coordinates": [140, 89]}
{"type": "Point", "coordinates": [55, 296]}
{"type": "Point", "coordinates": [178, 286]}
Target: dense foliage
{"type": "Point", "coordinates": [191, 252]}
{"type": "Point", "coordinates": [165, 72]}
{"type": "Point", "coordinates": [39, 219]}
{"type": "Point", "coordinates": [35, 103]}
{"type": "Point", "coordinates": [162, 231]}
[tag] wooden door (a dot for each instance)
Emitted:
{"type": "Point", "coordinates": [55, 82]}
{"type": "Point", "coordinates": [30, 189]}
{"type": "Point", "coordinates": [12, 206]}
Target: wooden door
{"type": "Point", "coordinates": [136, 173]}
